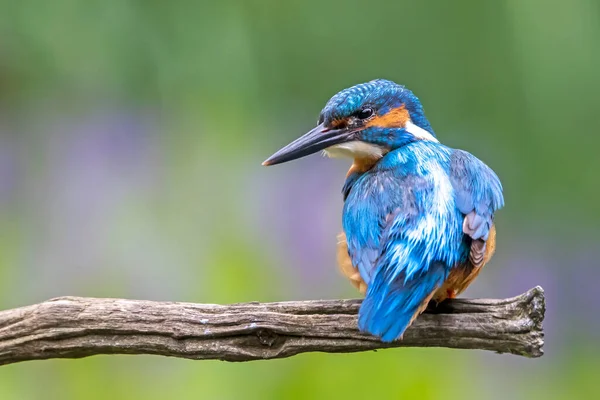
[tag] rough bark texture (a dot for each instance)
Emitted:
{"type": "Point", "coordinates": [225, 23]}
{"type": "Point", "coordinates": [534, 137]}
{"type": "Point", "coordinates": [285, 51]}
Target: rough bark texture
{"type": "Point", "coordinates": [74, 327]}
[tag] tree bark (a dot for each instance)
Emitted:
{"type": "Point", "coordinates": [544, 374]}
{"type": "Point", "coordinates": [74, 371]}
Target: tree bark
{"type": "Point", "coordinates": [74, 327]}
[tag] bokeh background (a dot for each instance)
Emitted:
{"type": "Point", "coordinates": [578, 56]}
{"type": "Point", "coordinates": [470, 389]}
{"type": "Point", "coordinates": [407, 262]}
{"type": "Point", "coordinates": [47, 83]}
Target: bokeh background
{"type": "Point", "coordinates": [131, 137]}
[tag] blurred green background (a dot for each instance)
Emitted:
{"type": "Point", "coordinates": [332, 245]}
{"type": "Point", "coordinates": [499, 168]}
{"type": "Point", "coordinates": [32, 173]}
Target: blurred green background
{"type": "Point", "coordinates": [131, 137]}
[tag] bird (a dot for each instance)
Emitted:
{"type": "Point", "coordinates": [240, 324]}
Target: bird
{"type": "Point", "coordinates": [418, 216]}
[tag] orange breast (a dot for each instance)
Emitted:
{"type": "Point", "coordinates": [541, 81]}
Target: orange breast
{"type": "Point", "coordinates": [346, 267]}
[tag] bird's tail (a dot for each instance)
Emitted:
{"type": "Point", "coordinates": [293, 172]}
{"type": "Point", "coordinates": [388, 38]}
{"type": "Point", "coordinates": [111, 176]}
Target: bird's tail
{"type": "Point", "coordinates": [393, 302]}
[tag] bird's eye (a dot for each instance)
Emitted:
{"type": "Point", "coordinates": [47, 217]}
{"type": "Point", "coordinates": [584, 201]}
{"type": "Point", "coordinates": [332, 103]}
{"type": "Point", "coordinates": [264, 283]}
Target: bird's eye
{"type": "Point", "coordinates": [364, 113]}
{"type": "Point", "coordinates": [321, 119]}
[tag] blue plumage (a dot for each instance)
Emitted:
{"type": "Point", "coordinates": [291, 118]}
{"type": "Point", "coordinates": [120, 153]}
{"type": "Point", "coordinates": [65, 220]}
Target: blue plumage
{"type": "Point", "coordinates": [405, 210]}
{"type": "Point", "coordinates": [417, 214]}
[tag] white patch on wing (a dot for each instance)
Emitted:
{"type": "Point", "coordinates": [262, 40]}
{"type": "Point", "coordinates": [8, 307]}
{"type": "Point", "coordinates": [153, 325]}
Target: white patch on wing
{"type": "Point", "coordinates": [444, 195]}
{"type": "Point", "coordinates": [355, 149]}
{"type": "Point", "coordinates": [419, 132]}
{"type": "Point", "coordinates": [433, 226]}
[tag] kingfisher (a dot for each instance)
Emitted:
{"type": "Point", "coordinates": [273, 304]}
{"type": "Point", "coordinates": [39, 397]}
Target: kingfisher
{"type": "Point", "coordinates": [418, 216]}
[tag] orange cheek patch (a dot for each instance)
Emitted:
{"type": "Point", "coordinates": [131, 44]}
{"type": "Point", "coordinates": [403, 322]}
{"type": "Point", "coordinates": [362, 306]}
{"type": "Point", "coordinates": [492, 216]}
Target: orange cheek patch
{"type": "Point", "coordinates": [396, 118]}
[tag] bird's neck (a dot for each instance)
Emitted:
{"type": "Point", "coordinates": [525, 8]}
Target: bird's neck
{"type": "Point", "coordinates": [364, 155]}
{"type": "Point", "coordinates": [362, 165]}
{"type": "Point", "coordinates": [358, 168]}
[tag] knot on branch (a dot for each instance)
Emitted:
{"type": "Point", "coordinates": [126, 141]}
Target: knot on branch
{"type": "Point", "coordinates": [266, 337]}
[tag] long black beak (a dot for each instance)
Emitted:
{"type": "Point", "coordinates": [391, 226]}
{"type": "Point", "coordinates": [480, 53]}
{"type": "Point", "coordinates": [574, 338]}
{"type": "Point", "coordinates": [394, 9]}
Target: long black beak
{"type": "Point", "coordinates": [317, 139]}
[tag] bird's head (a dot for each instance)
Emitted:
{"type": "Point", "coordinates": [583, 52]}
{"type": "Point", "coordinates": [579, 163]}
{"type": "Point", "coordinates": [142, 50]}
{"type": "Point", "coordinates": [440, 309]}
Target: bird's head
{"type": "Point", "coordinates": [364, 121]}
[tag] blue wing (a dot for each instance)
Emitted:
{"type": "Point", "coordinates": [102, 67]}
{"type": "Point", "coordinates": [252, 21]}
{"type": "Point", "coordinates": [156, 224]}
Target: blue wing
{"type": "Point", "coordinates": [478, 194]}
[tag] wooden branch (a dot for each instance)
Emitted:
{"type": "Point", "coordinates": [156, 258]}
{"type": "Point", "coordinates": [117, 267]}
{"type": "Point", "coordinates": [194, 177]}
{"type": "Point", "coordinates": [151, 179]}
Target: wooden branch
{"type": "Point", "coordinates": [74, 327]}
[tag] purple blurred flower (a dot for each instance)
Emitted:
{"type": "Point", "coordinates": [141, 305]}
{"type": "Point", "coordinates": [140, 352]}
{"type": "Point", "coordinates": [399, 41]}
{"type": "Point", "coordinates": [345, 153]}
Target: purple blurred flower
{"type": "Point", "coordinates": [80, 200]}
